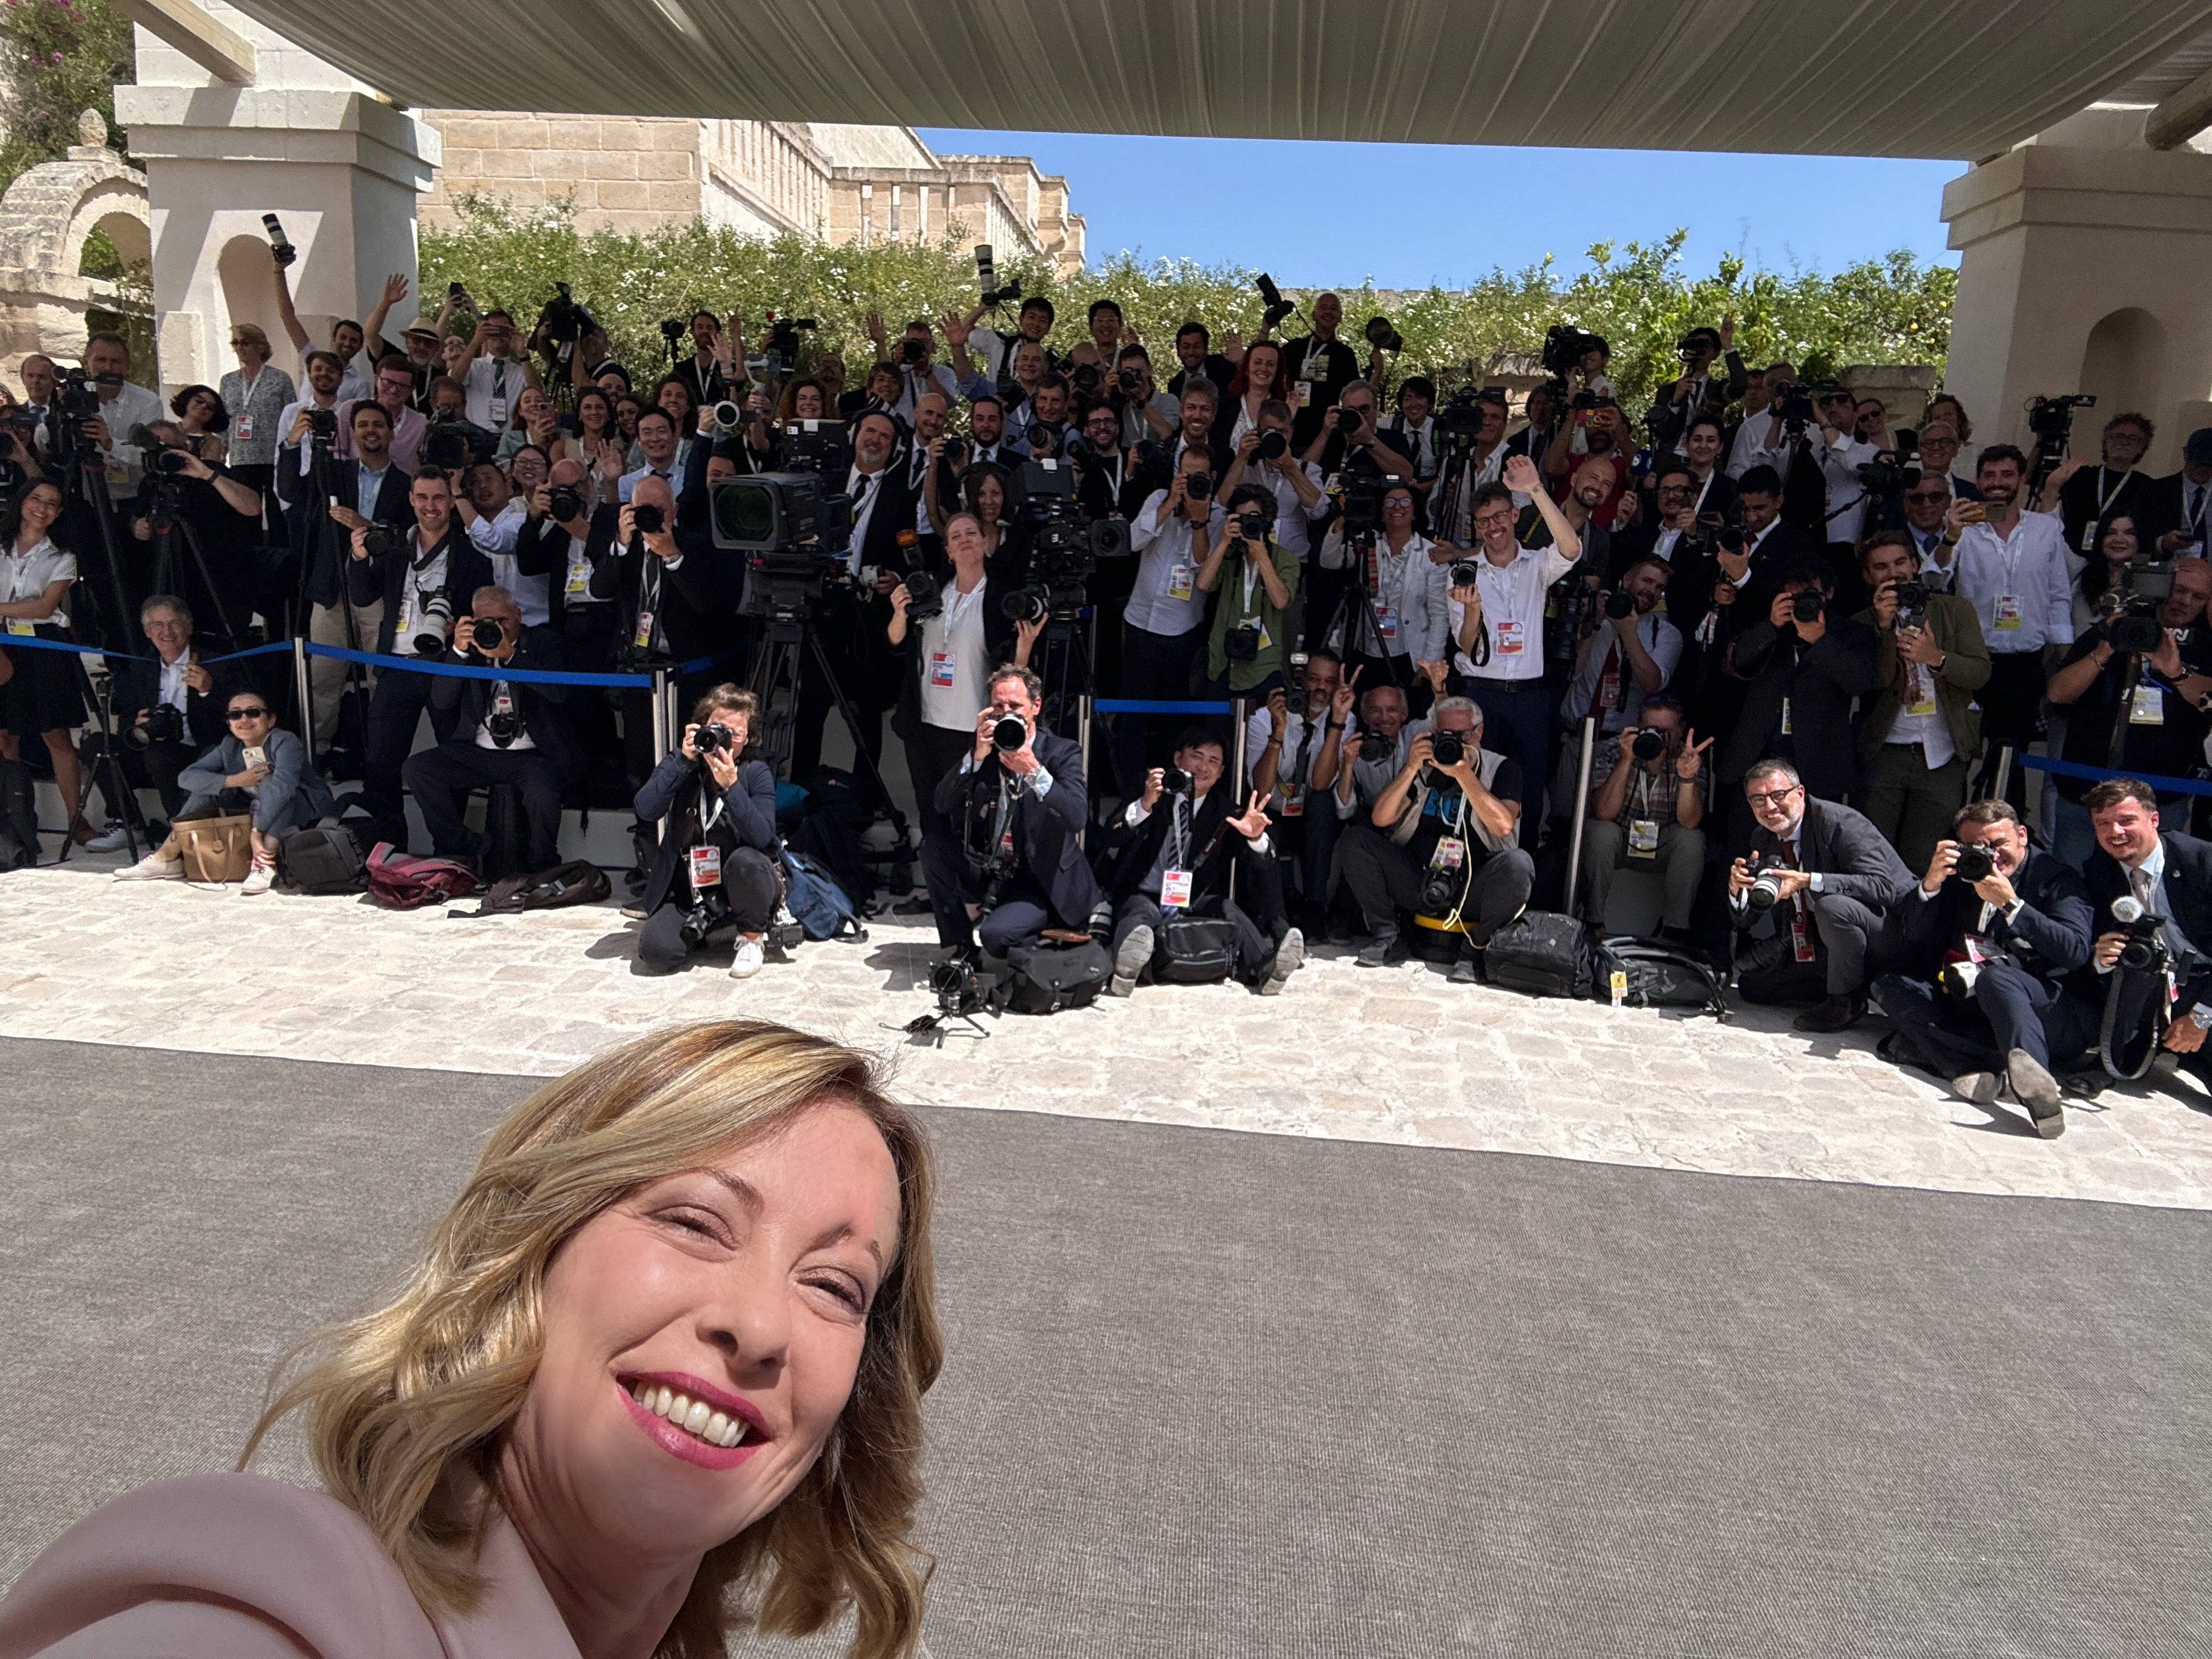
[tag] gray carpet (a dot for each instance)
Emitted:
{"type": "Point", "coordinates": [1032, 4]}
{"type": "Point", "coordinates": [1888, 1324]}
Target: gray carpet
{"type": "Point", "coordinates": [1216, 1393]}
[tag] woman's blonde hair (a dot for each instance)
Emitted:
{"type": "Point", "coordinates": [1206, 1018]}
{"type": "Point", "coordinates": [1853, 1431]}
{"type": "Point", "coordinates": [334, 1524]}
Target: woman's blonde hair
{"type": "Point", "coordinates": [407, 1408]}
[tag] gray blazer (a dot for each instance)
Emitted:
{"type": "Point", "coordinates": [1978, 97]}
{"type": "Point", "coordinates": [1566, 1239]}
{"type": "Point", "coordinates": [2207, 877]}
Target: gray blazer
{"type": "Point", "coordinates": [292, 794]}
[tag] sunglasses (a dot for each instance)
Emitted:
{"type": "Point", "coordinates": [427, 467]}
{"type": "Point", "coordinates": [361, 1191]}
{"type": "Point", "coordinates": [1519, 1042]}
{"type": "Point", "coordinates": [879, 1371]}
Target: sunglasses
{"type": "Point", "coordinates": [247, 715]}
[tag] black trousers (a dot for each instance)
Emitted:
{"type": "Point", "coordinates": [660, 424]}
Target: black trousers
{"type": "Point", "coordinates": [1019, 917]}
{"type": "Point", "coordinates": [1155, 668]}
{"type": "Point", "coordinates": [1256, 949]}
{"type": "Point", "coordinates": [931, 752]}
{"type": "Point", "coordinates": [2012, 714]}
{"type": "Point", "coordinates": [1842, 929]}
{"type": "Point", "coordinates": [859, 666]}
{"type": "Point", "coordinates": [2010, 1009]}
{"type": "Point", "coordinates": [394, 711]}
{"type": "Point", "coordinates": [750, 890]}
{"type": "Point", "coordinates": [1516, 722]}
{"type": "Point", "coordinates": [440, 779]}
{"type": "Point", "coordinates": [1308, 844]}
{"type": "Point", "coordinates": [1384, 879]}
{"type": "Point", "coordinates": [156, 767]}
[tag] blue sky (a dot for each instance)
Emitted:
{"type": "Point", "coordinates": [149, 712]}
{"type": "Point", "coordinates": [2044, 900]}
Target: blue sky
{"type": "Point", "coordinates": [1446, 214]}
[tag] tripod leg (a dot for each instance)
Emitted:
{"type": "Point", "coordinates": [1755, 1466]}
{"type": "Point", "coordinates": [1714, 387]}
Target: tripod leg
{"type": "Point", "coordinates": [864, 760]}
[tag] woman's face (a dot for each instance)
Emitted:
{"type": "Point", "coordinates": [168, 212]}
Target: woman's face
{"type": "Point", "coordinates": [1261, 364]}
{"type": "Point", "coordinates": [593, 413]}
{"type": "Point", "coordinates": [743, 1287]}
{"type": "Point", "coordinates": [677, 401]}
{"type": "Point", "coordinates": [537, 408]}
{"type": "Point", "coordinates": [41, 506]}
{"type": "Point", "coordinates": [990, 501]}
{"type": "Point", "coordinates": [626, 413]}
{"type": "Point", "coordinates": [200, 410]}
{"type": "Point", "coordinates": [252, 729]}
{"type": "Point", "coordinates": [806, 403]}
{"type": "Point", "coordinates": [528, 470]}
{"type": "Point", "coordinates": [964, 541]}
{"type": "Point", "coordinates": [252, 353]}
{"type": "Point", "coordinates": [2120, 539]}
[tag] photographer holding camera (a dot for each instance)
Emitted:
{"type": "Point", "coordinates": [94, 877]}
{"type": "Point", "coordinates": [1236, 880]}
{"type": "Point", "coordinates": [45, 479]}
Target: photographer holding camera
{"type": "Point", "coordinates": [1320, 367]}
{"type": "Point", "coordinates": [1992, 933]}
{"type": "Point", "coordinates": [2168, 879]}
{"type": "Point", "coordinates": [1696, 387]}
{"type": "Point", "coordinates": [1144, 411]}
{"type": "Point", "coordinates": [1647, 811]}
{"type": "Point", "coordinates": [123, 406]}
{"type": "Point", "coordinates": [499, 367]}
{"type": "Point", "coordinates": [1031, 323]}
{"type": "Point", "coordinates": [166, 713]}
{"type": "Point", "coordinates": [1392, 615]}
{"type": "Point", "coordinates": [717, 864]}
{"type": "Point", "coordinates": [1263, 458]}
{"type": "Point", "coordinates": [1922, 727]}
{"type": "Point", "coordinates": [1805, 663]}
{"type": "Point", "coordinates": [1628, 655]}
{"type": "Point", "coordinates": [1258, 580]}
{"type": "Point", "coordinates": [1440, 841]}
{"type": "Point", "coordinates": [1298, 741]}
{"type": "Point", "coordinates": [1175, 863]}
{"type": "Point", "coordinates": [1826, 876]}
{"type": "Point", "coordinates": [225, 514]}
{"type": "Point", "coordinates": [417, 581]}
{"type": "Point", "coordinates": [1163, 633]}
{"type": "Point", "coordinates": [2151, 702]}
{"type": "Point", "coordinates": [509, 732]}
{"type": "Point", "coordinates": [1011, 867]}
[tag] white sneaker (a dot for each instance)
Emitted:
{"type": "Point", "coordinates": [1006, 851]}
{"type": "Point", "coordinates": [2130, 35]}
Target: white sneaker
{"type": "Point", "coordinates": [113, 839]}
{"type": "Point", "coordinates": [750, 957]}
{"type": "Point", "coordinates": [259, 880]}
{"type": "Point", "coordinates": [153, 867]}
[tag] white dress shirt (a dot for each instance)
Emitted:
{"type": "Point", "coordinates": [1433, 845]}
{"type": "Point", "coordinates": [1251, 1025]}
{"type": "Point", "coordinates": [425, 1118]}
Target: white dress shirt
{"type": "Point", "coordinates": [27, 575]}
{"type": "Point", "coordinates": [493, 384]}
{"type": "Point", "coordinates": [496, 538]}
{"type": "Point", "coordinates": [2021, 586]}
{"type": "Point", "coordinates": [1166, 569]}
{"type": "Point", "coordinates": [1513, 600]}
{"type": "Point", "coordinates": [131, 406]}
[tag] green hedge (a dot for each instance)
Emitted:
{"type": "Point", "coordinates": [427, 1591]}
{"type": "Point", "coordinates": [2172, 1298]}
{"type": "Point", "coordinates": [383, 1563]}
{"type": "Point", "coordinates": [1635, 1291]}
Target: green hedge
{"type": "Point", "coordinates": [1639, 296]}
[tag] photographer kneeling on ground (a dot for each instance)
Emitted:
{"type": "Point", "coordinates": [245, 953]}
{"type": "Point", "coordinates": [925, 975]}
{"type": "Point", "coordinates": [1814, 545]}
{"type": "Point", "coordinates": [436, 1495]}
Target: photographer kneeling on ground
{"type": "Point", "coordinates": [1992, 933]}
{"type": "Point", "coordinates": [257, 769]}
{"type": "Point", "coordinates": [716, 866]}
{"type": "Point", "coordinates": [1827, 876]}
{"type": "Point", "coordinates": [1011, 859]}
{"type": "Point", "coordinates": [1441, 841]}
{"type": "Point", "coordinates": [1179, 860]}
{"type": "Point", "coordinates": [2170, 876]}
{"type": "Point", "coordinates": [166, 713]}
{"type": "Point", "coordinates": [1647, 809]}
{"type": "Point", "coordinates": [504, 732]}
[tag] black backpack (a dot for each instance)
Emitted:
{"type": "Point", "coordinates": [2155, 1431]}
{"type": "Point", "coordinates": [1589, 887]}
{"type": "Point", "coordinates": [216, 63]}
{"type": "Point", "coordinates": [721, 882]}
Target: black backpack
{"type": "Point", "coordinates": [1194, 950]}
{"type": "Point", "coordinates": [1541, 953]}
{"type": "Point", "coordinates": [323, 861]}
{"type": "Point", "coordinates": [1656, 974]}
{"type": "Point", "coordinates": [1043, 979]}
{"type": "Point", "coordinates": [557, 889]}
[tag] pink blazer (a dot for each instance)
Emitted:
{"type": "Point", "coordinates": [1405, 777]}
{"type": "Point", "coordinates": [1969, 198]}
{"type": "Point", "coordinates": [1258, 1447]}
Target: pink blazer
{"type": "Point", "coordinates": [235, 1566]}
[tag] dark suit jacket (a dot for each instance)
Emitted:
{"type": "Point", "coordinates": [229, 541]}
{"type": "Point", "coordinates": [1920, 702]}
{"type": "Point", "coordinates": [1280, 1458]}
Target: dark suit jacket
{"type": "Point", "coordinates": [892, 513]}
{"type": "Point", "coordinates": [2188, 900]}
{"type": "Point", "coordinates": [2160, 505]}
{"type": "Point", "coordinates": [138, 685]}
{"type": "Point", "coordinates": [692, 600]}
{"type": "Point", "coordinates": [1849, 851]}
{"type": "Point", "coordinates": [373, 579]}
{"type": "Point", "coordinates": [2050, 938]}
{"type": "Point", "coordinates": [2080, 498]}
{"type": "Point", "coordinates": [676, 790]}
{"type": "Point", "coordinates": [1820, 682]}
{"type": "Point", "coordinates": [1044, 830]}
{"type": "Point", "coordinates": [1213, 844]}
{"type": "Point", "coordinates": [312, 529]}
{"type": "Point", "coordinates": [542, 549]}
{"type": "Point", "coordinates": [705, 389]}
{"type": "Point", "coordinates": [539, 706]}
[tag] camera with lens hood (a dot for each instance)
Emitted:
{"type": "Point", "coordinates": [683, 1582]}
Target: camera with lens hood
{"type": "Point", "coordinates": [1648, 745]}
{"type": "Point", "coordinates": [925, 596]}
{"type": "Point", "coordinates": [1448, 748]}
{"type": "Point", "coordinates": [1974, 863]}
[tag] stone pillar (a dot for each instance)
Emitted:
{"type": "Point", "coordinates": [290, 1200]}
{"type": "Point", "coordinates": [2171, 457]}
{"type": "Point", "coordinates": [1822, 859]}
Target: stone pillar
{"type": "Point", "coordinates": [339, 165]}
{"type": "Point", "coordinates": [2083, 270]}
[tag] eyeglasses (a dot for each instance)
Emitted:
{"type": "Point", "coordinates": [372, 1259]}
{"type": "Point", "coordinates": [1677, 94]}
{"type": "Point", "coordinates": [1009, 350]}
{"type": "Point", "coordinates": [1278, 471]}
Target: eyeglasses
{"type": "Point", "coordinates": [1495, 520]}
{"type": "Point", "coordinates": [247, 715]}
{"type": "Point", "coordinates": [1772, 797]}
{"type": "Point", "coordinates": [1927, 494]}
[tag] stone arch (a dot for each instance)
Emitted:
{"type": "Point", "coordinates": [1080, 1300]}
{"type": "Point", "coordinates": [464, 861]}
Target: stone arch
{"type": "Point", "coordinates": [246, 280]}
{"type": "Point", "coordinates": [2123, 366]}
{"type": "Point", "coordinates": [45, 219]}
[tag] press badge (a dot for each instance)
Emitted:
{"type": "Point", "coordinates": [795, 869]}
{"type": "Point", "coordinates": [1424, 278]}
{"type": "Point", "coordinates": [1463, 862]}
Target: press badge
{"type": "Point", "coordinates": [1292, 803]}
{"type": "Point", "coordinates": [1183, 580]}
{"type": "Point", "coordinates": [23, 626]}
{"type": "Point", "coordinates": [705, 866]}
{"type": "Point", "coordinates": [243, 428]}
{"type": "Point", "coordinates": [1175, 890]}
{"type": "Point", "coordinates": [1801, 936]}
{"type": "Point", "coordinates": [941, 668]}
{"type": "Point", "coordinates": [2007, 611]}
{"type": "Point", "coordinates": [643, 638]}
{"type": "Point", "coordinates": [1450, 855]}
{"type": "Point", "coordinates": [1785, 718]}
{"type": "Point", "coordinates": [2147, 708]}
{"type": "Point", "coordinates": [1386, 619]}
{"type": "Point", "coordinates": [579, 580]}
{"type": "Point", "coordinates": [498, 412]}
{"type": "Point", "coordinates": [1643, 837]}
{"type": "Point", "coordinates": [1510, 637]}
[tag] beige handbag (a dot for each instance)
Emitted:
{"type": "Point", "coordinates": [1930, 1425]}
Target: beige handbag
{"type": "Point", "coordinates": [216, 849]}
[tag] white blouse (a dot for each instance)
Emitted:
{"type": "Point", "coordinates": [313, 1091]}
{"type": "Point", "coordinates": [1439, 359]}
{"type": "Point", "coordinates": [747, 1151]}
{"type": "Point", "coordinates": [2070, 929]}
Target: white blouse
{"type": "Point", "coordinates": [26, 574]}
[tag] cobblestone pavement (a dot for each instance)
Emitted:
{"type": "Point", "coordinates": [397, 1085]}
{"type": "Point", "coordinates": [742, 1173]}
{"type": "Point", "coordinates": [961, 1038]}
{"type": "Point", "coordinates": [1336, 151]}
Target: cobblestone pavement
{"type": "Point", "coordinates": [1390, 1056]}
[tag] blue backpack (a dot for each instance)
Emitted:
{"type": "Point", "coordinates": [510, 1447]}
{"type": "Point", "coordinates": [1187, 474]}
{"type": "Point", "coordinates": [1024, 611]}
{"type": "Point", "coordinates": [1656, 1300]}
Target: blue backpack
{"type": "Point", "coordinates": [818, 903]}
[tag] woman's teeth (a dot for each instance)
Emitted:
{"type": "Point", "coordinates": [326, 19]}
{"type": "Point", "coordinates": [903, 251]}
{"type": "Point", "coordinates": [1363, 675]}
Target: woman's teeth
{"type": "Point", "coordinates": [693, 1416]}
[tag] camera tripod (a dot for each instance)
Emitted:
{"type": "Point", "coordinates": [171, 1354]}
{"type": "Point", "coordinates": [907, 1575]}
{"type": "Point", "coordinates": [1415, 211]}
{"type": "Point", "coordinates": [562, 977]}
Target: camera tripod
{"type": "Point", "coordinates": [171, 527]}
{"type": "Point", "coordinates": [107, 771]}
{"type": "Point", "coordinates": [321, 490]}
{"type": "Point", "coordinates": [1065, 653]}
{"type": "Point", "coordinates": [84, 486]}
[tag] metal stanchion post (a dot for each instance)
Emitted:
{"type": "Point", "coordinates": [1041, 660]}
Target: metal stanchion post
{"type": "Point", "coordinates": [1581, 811]}
{"type": "Point", "coordinates": [303, 687]}
{"type": "Point", "coordinates": [1082, 702]}
{"type": "Point", "coordinates": [663, 735]}
{"type": "Point", "coordinates": [1237, 712]}
{"type": "Point", "coordinates": [2003, 779]}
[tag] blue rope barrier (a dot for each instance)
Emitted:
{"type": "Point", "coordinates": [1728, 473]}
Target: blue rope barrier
{"type": "Point", "coordinates": [1133, 706]}
{"type": "Point", "coordinates": [2099, 775]}
{"type": "Point", "coordinates": [12, 640]}
{"type": "Point", "coordinates": [464, 672]}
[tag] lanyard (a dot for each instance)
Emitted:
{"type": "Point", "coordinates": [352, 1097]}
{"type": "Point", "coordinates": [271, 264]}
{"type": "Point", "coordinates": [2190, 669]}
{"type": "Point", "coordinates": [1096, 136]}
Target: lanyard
{"type": "Point", "coordinates": [2105, 499]}
{"type": "Point", "coordinates": [957, 605]}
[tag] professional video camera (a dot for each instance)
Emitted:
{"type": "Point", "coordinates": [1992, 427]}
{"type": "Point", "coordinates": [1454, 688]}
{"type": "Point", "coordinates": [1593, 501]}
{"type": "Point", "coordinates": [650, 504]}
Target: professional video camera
{"type": "Point", "coordinates": [793, 528]}
{"type": "Point", "coordinates": [1361, 490]}
{"type": "Point", "coordinates": [671, 331]}
{"type": "Point", "coordinates": [782, 354]}
{"type": "Point", "coordinates": [2051, 420]}
{"type": "Point", "coordinates": [1891, 472]}
{"type": "Point", "coordinates": [2128, 610]}
{"type": "Point", "coordinates": [451, 443]}
{"type": "Point", "coordinates": [815, 447]}
{"type": "Point", "coordinates": [995, 292]}
{"type": "Point", "coordinates": [1798, 405]}
{"type": "Point", "coordinates": [1065, 546]}
{"type": "Point", "coordinates": [1460, 417]}
{"type": "Point", "coordinates": [1277, 306]}
{"type": "Point", "coordinates": [565, 321]}
{"type": "Point", "coordinates": [1564, 347]}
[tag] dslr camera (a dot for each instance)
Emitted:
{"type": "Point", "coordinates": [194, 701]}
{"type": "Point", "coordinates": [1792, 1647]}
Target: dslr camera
{"type": "Point", "coordinates": [1765, 889]}
{"type": "Point", "coordinates": [1974, 863]}
{"type": "Point", "coordinates": [164, 724]}
{"type": "Point", "coordinates": [925, 596]}
{"type": "Point", "coordinates": [1807, 604]}
{"type": "Point", "coordinates": [1271, 297]}
{"type": "Point", "coordinates": [1448, 748]}
{"type": "Point", "coordinates": [279, 249]}
{"type": "Point", "coordinates": [2128, 612]}
{"type": "Point", "coordinates": [995, 292]}
{"type": "Point", "coordinates": [714, 739]}
{"type": "Point", "coordinates": [451, 442]}
{"type": "Point", "coordinates": [1648, 745]}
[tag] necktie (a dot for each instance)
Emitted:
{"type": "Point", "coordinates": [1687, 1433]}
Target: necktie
{"type": "Point", "coordinates": [2196, 511]}
{"type": "Point", "coordinates": [1179, 844]}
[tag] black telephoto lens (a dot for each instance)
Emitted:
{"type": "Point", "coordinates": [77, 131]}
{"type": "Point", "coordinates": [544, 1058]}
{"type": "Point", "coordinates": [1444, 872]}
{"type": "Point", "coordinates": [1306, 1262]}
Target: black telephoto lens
{"type": "Point", "coordinates": [1618, 605]}
{"type": "Point", "coordinates": [1010, 733]}
{"type": "Point", "coordinates": [1449, 748]}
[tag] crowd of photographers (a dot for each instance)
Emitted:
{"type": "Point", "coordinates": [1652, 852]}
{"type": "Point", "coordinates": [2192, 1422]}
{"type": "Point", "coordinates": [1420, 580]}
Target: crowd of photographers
{"type": "Point", "coordinates": [1811, 653]}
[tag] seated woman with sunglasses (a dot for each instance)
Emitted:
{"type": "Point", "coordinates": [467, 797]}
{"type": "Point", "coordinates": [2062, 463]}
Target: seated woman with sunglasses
{"type": "Point", "coordinates": [257, 769]}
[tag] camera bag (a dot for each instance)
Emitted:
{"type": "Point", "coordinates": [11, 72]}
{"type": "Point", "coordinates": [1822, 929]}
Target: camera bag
{"type": "Point", "coordinates": [819, 901]}
{"type": "Point", "coordinates": [1659, 975]}
{"type": "Point", "coordinates": [1195, 951]}
{"type": "Point", "coordinates": [1541, 953]}
{"type": "Point", "coordinates": [322, 861]}
{"type": "Point", "coordinates": [400, 881]}
{"type": "Point", "coordinates": [576, 882]}
{"type": "Point", "coordinates": [1043, 979]}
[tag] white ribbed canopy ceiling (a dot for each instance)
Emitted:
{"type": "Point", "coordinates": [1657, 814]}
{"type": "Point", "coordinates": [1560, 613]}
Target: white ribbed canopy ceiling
{"type": "Point", "coordinates": [1948, 78]}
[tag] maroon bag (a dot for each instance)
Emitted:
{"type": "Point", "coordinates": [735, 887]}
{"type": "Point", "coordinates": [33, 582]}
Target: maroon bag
{"type": "Point", "coordinates": [400, 881]}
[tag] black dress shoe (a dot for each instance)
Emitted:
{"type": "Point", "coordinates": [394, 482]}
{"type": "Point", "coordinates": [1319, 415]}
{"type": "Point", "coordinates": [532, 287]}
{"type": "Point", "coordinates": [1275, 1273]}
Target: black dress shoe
{"type": "Point", "coordinates": [1836, 1014]}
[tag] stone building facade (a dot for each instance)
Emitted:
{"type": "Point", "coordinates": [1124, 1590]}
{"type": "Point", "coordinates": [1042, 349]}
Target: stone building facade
{"type": "Point", "coordinates": [842, 183]}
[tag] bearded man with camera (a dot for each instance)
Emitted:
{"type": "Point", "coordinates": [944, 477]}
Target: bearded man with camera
{"type": "Point", "coordinates": [1011, 868]}
{"type": "Point", "coordinates": [1825, 876]}
{"type": "Point", "coordinates": [716, 866]}
{"type": "Point", "coordinates": [504, 731]}
{"type": "Point", "coordinates": [1647, 811]}
{"type": "Point", "coordinates": [1440, 841]}
{"type": "Point", "coordinates": [1987, 940]}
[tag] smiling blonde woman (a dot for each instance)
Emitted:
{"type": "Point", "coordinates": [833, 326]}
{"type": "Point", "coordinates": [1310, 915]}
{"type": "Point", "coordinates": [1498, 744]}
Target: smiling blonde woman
{"type": "Point", "coordinates": [657, 1377]}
